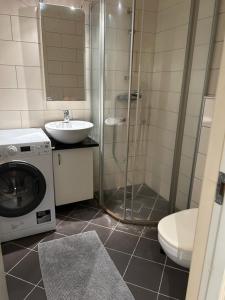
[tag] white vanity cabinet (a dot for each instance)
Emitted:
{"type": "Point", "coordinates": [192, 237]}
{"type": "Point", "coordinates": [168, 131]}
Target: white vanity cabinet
{"type": "Point", "coordinates": [73, 175]}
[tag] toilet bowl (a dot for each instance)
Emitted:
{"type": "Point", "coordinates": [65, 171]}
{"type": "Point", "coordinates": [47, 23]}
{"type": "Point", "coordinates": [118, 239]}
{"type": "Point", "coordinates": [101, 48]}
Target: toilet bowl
{"type": "Point", "coordinates": [176, 235]}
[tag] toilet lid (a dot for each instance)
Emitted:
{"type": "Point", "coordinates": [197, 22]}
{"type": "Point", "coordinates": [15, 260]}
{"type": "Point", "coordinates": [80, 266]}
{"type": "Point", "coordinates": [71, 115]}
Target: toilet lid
{"type": "Point", "coordinates": [179, 229]}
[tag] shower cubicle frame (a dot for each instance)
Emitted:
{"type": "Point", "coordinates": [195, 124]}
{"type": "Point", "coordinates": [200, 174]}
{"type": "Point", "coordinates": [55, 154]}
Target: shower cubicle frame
{"type": "Point", "coordinates": [192, 27]}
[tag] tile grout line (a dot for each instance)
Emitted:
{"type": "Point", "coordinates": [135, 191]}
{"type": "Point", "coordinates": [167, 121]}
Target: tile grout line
{"type": "Point", "coordinates": [21, 279]}
{"type": "Point", "coordinates": [146, 289]}
{"type": "Point", "coordinates": [153, 261]}
{"type": "Point", "coordinates": [89, 222]}
{"type": "Point", "coordinates": [141, 287]}
{"type": "Point", "coordinates": [21, 246]}
{"type": "Point", "coordinates": [32, 289]}
{"type": "Point", "coordinates": [156, 199]}
{"type": "Point", "coordinates": [133, 253]}
{"type": "Point", "coordinates": [19, 261]}
{"type": "Point", "coordinates": [160, 284]}
{"type": "Point", "coordinates": [30, 251]}
{"type": "Point", "coordinates": [113, 229]}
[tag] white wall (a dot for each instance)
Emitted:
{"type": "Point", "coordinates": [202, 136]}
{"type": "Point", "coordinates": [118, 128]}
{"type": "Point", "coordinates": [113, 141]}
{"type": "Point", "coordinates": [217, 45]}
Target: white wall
{"type": "Point", "coordinates": [22, 97]}
{"type": "Point", "coordinates": [169, 52]}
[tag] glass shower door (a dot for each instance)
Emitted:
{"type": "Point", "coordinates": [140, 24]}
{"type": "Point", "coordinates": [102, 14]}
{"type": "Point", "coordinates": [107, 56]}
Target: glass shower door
{"type": "Point", "coordinates": [118, 34]}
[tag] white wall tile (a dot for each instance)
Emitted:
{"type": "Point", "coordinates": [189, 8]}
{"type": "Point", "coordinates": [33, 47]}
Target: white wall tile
{"type": "Point", "coordinates": [203, 29]}
{"type": "Point", "coordinates": [200, 57]}
{"type": "Point", "coordinates": [10, 119]}
{"type": "Point", "coordinates": [171, 39]}
{"type": "Point", "coordinates": [32, 119]}
{"type": "Point", "coordinates": [222, 6]}
{"type": "Point", "coordinates": [196, 193]}
{"type": "Point", "coordinates": [5, 28]}
{"type": "Point", "coordinates": [169, 60]}
{"type": "Point", "coordinates": [24, 29]}
{"type": "Point", "coordinates": [16, 53]}
{"type": "Point", "coordinates": [29, 77]}
{"type": "Point", "coordinates": [217, 55]}
{"type": "Point", "coordinates": [214, 75]}
{"type": "Point", "coordinates": [206, 9]}
{"type": "Point", "coordinates": [174, 16]}
{"type": "Point", "coordinates": [167, 81]}
{"type": "Point", "coordinates": [220, 28]}
{"type": "Point", "coordinates": [200, 166]}
{"type": "Point", "coordinates": [204, 140]}
{"type": "Point", "coordinates": [8, 77]}
{"type": "Point", "coordinates": [20, 99]}
{"type": "Point", "coordinates": [19, 8]}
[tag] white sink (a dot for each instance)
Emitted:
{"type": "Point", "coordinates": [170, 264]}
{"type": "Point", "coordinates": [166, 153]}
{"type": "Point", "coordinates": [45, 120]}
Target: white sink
{"type": "Point", "coordinates": [69, 132]}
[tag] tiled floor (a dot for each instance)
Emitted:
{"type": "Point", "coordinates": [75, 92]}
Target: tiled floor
{"type": "Point", "coordinates": [147, 205]}
{"type": "Point", "coordinates": [134, 249]}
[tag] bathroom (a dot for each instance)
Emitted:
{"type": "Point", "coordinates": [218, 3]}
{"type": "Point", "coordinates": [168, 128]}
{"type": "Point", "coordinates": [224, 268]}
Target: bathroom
{"type": "Point", "coordinates": [111, 144]}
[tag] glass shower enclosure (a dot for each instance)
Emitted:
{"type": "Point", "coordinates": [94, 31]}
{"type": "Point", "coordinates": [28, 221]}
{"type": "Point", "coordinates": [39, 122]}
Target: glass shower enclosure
{"type": "Point", "coordinates": [142, 72]}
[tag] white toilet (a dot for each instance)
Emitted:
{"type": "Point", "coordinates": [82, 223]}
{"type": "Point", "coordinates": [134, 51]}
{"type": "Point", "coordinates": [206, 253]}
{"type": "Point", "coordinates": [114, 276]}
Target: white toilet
{"type": "Point", "coordinates": [176, 235]}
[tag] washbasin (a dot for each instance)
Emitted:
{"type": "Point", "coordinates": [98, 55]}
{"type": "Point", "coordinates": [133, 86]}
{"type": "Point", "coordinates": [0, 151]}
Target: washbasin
{"type": "Point", "coordinates": [69, 132]}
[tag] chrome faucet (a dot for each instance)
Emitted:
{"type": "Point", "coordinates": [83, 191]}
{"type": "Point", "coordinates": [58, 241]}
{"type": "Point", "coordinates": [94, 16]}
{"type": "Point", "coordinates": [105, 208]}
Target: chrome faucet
{"type": "Point", "coordinates": [66, 115]}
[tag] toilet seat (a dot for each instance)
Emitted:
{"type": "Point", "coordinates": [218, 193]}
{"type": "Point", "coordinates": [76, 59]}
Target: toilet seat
{"type": "Point", "coordinates": [176, 235]}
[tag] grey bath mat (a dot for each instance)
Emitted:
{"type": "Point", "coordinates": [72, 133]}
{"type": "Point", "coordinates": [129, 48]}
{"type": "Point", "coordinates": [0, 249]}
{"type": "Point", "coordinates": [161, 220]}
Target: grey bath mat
{"type": "Point", "coordinates": [78, 267]}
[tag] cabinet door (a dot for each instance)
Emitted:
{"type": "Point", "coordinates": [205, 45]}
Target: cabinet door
{"type": "Point", "coordinates": [73, 175]}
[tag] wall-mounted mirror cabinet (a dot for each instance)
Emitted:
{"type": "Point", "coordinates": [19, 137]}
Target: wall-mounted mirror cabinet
{"type": "Point", "coordinates": [63, 42]}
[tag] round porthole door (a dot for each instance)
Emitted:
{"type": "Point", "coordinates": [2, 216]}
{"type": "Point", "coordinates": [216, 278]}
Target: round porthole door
{"type": "Point", "coordinates": [22, 188]}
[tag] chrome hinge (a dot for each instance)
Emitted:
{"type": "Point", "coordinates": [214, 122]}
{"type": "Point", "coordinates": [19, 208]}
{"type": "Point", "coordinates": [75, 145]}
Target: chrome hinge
{"type": "Point", "coordinates": [220, 188]}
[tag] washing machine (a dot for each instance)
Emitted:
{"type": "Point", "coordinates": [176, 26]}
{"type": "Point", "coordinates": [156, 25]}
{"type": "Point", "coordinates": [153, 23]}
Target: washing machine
{"type": "Point", "coordinates": [26, 184]}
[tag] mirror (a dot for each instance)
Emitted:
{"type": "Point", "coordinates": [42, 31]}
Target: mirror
{"type": "Point", "coordinates": [63, 41]}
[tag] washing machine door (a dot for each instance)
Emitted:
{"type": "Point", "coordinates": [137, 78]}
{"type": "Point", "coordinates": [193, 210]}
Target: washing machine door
{"type": "Point", "coordinates": [22, 188]}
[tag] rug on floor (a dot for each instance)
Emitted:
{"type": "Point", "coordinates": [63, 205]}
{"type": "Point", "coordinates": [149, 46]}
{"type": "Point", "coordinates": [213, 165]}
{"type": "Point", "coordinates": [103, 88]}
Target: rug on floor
{"type": "Point", "coordinates": [79, 267]}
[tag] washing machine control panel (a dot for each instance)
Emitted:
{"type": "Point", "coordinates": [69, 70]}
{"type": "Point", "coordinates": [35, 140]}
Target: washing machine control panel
{"type": "Point", "coordinates": [24, 150]}
{"type": "Point", "coordinates": [12, 150]}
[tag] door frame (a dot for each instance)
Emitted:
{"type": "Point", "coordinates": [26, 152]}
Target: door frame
{"type": "Point", "coordinates": [197, 284]}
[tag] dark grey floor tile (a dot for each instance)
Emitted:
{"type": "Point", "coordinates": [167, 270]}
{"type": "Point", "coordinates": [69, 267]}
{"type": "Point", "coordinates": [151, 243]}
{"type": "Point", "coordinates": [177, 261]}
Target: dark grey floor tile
{"type": "Point", "coordinates": [136, 205]}
{"type": "Point", "coordinates": [17, 289]}
{"type": "Point", "coordinates": [122, 241]}
{"type": "Point", "coordinates": [37, 294]}
{"type": "Point", "coordinates": [174, 283]}
{"type": "Point", "coordinates": [163, 297]}
{"type": "Point", "coordinates": [52, 236]}
{"type": "Point", "coordinates": [104, 219]}
{"type": "Point", "coordinates": [149, 249]}
{"type": "Point", "coordinates": [141, 294]}
{"type": "Point", "coordinates": [31, 241]}
{"type": "Point", "coordinates": [83, 213]}
{"type": "Point", "coordinates": [12, 254]}
{"type": "Point", "coordinates": [129, 228]}
{"type": "Point", "coordinates": [114, 205]}
{"type": "Point", "coordinates": [146, 201]}
{"type": "Point", "coordinates": [102, 232]}
{"type": "Point", "coordinates": [144, 273]}
{"type": "Point", "coordinates": [59, 218]}
{"type": "Point", "coordinates": [70, 226]}
{"type": "Point", "coordinates": [151, 233]}
{"type": "Point", "coordinates": [170, 263]}
{"type": "Point", "coordinates": [143, 214]}
{"type": "Point", "coordinates": [146, 191]}
{"type": "Point", "coordinates": [157, 215]}
{"type": "Point", "coordinates": [162, 204]}
{"type": "Point", "coordinates": [120, 259]}
{"type": "Point", "coordinates": [28, 269]}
